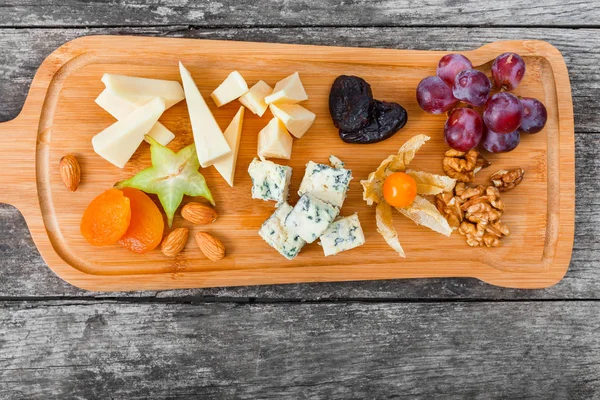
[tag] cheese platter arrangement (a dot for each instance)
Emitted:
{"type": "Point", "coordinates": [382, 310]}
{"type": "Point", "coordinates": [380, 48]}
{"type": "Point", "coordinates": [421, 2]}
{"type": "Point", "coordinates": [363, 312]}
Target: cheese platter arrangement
{"type": "Point", "coordinates": [155, 163]}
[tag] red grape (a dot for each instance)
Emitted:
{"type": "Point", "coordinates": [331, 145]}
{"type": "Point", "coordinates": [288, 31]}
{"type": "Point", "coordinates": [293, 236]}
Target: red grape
{"type": "Point", "coordinates": [508, 70]}
{"type": "Point", "coordinates": [450, 65]}
{"type": "Point", "coordinates": [472, 87]}
{"type": "Point", "coordinates": [500, 142]}
{"type": "Point", "coordinates": [463, 129]}
{"type": "Point", "coordinates": [503, 113]}
{"type": "Point", "coordinates": [434, 96]}
{"type": "Point", "coordinates": [534, 115]}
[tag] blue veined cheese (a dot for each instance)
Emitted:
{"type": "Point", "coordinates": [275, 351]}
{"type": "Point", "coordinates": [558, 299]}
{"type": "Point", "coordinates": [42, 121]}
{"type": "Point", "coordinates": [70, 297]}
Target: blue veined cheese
{"type": "Point", "coordinates": [270, 181]}
{"type": "Point", "coordinates": [343, 234]}
{"type": "Point", "coordinates": [274, 232]}
{"type": "Point", "coordinates": [327, 183]}
{"type": "Point", "coordinates": [310, 217]}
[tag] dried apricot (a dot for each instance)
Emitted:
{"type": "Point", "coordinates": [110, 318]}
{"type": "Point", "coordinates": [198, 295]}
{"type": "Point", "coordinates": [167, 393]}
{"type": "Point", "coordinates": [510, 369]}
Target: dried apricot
{"type": "Point", "coordinates": [106, 218]}
{"type": "Point", "coordinates": [146, 227]}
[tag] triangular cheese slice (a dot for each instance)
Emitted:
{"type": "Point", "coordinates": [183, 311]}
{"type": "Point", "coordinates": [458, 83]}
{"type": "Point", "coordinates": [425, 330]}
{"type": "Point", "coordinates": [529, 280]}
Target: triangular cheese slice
{"type": "Point", "coordinates": [226, 164]}
{"type": "Point", "coordinates": [141, 90]}
{"type": "Point", "coordinates": [208, 137]}
{"type": "Point", "coordinates": [288, 91]}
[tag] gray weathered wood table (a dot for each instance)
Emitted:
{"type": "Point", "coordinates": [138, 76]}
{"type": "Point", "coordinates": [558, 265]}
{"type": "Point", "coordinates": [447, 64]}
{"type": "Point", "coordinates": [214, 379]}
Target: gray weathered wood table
{"type": "Point", "coordinates": [442, 338]}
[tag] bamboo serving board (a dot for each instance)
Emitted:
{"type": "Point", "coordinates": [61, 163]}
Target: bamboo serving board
{"type": "Point", "coordinates": [60, 117]}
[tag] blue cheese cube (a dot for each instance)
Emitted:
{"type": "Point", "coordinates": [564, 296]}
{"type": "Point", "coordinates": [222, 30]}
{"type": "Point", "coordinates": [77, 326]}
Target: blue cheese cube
{"type": "Point", "coordinates": [270, 181]}
{"type": "Point", "coordinates": [343, 234]}
{"type": "Point", "coordinates": [274, 232]}
{"type": "Point", "coordinates": [326, 183]}
{"type": "Point", "coordinates": [310, 217]}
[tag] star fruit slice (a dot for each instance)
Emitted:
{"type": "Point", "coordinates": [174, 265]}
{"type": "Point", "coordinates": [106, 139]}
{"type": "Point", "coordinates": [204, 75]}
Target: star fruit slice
{"type": "Point", "coordinates": [171, 176]}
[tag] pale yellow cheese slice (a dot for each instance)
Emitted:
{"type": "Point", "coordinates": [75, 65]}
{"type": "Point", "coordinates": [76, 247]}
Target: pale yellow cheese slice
{"type": "Point", "coordinates": [208, 137]}
{"type": "Point", "coordinates": [226, 164]}
{"type": "Point", "coordinates": [120, 108]}
{"type": "Point", "coordinates": [141, 90]}
{"type": "Point", "coordinates": [274, 141]}
{"type": "Point", "coordinates": [232, 87]}
{"type": "Point", "coordinates": [288, 91]}
{"type": "Point", "coordinates": [296, 118]}
{"type": "Point", "coordinates": [117, 143]}
{"type": "Point", "coordinates": [254, 100]}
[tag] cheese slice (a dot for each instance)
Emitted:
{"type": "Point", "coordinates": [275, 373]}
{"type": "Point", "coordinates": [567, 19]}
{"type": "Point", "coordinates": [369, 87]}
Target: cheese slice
{"type": "Point", "coordinates": [117, 143]}
{"type": "Point", "coordinates": [208, 137]}
{"type": "Point", "coordinates": [231, 88]}
{"type": "Point", "coordinates": [120, 108]}
{"type": "Point", "coordinates": [274, 141]}
{"type": "Point", "coordinates": [254, 100]}
{"type": "Point", "coordinates": [226, 164]}
{"type": "Point", "coordinates": [141, 90]}
{"type": "Point", "coordinates": [288, 91]}
{"type": "Point", "coordinates": [296, 118]}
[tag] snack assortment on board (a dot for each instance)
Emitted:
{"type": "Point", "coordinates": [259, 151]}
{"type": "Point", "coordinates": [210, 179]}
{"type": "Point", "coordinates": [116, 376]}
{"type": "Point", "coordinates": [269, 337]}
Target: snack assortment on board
{"type": "Point", "coordinates": [482, 114]}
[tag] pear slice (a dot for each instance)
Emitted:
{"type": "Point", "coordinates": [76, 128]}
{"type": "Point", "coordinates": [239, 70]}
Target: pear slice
{"type": "Point", "coordinates": [226, 164]}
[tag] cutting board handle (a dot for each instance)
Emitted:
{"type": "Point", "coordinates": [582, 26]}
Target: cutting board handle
{"type": "Point", "coordinates": [17, 163]}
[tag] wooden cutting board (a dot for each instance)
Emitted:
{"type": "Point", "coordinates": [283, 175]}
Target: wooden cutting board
{"type": "Point", "coordinates": [60, 117]}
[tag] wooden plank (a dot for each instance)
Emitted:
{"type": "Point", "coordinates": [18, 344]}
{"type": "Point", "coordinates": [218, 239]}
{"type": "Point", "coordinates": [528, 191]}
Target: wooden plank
{"type": "Point", "coordinates": [36, 44]}
{"type": "Point", "coordinates": [227, 13]}
{"type": "Point", "coordinates": [319, 351]}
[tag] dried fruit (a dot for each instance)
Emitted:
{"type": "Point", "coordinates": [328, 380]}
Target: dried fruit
{"type": "Point", "coordinates": [212, 247]}
{"type": "Point", "coordinates": [463, 166]}
{"type": "Point", "coordinates": [350, 103]}
{"type": "Point", "coordinates": [146, 226]}
{"type": "Point", "coordinates": [199, 214]}
{"type": "Point", "coordinates": [506, 180]}
{"type": "Point", "coordinates": [386, 120]}
{"type": "Point", "coordinates": [175, 241]}
{"type": "Point", "coordinates": [171, 176]}
{"type": "Point", "coordinates": [70, 172]}
{"type": "Point", "coordinates": [106, 218]}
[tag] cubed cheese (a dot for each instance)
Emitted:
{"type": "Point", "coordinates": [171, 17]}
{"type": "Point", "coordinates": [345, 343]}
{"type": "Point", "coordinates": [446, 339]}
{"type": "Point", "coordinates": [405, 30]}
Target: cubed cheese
{"type": "Point", "coordinates": [310, 217]}
{"type": "Point", "coordinates": [231, 88]}
{"type": "Point", "coordinates": [343, 234]}
{"type": "Point", "coordinates": [141, 90]}
{"type": "Point", "coordinates": [274, 232]}
{"type": "Point", "coordinates": [288, 91]}
{"type": "Point", "coordinates": [296, 118]}
{"type": "Point", "coordinates": [270, 181]}
{"type": "Point", "coordinates": [274, 141]}
{"type": "Point", "coordinates": [326, 183]}
{"type": "Point", "coordinates": [226, 164]}
{"type": "Point", "coordinates": [254, 100]}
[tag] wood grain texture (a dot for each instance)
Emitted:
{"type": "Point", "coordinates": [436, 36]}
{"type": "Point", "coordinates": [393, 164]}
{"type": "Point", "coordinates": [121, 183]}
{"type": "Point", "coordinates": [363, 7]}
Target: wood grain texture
{"type": "Point", "coordinates": [526, 350]}
{"type": "Point", "coordinates": [227, 13]}
{"type": "Point", "coordinates": [28, 48]}
{"type": "Point", "coordinates": [536, 254]}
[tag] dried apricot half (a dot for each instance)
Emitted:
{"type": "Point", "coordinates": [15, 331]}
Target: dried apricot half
{"type": "Point", "coordinates": [146, 227]}
{"type": "Point", "coordinates": [106, 218]}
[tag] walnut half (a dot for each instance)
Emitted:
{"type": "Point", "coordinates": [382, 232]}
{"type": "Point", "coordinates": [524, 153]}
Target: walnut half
{"type": "Point", "coordinates": [463, 166]}
{"type": "Point", "coordinates": [506, 180]}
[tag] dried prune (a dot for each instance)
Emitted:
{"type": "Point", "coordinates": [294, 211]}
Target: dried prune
{"type": "Point", "coordinates": [386, 119]}
{"type": "Point", "coordinates": [350, 103]}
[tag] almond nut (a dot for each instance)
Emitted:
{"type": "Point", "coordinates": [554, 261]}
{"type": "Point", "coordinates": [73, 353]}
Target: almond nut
{"type": "Point", "coordinates": [174, 242]}
{"type": "Point", "coordinates": [212, 247]}
{"type": "Point", "coordinates": [199, 214]}
{"type": "Point", "coordinates": [70, 172]}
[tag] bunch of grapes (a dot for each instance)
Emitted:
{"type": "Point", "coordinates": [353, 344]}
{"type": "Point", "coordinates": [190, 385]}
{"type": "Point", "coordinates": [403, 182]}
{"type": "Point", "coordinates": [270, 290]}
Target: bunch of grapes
{"type": "Point", "coordinates": [505, 116]}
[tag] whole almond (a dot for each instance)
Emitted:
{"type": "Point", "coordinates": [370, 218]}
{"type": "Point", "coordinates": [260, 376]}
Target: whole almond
{"type": "Point", "coordinates": [174, 242]}
{"type": "Point", "coordinates": [199, 214]}
{"type": "Point", "coordinates": [212, 247]}
{"type": "Point", "coordinates": [70, 172]}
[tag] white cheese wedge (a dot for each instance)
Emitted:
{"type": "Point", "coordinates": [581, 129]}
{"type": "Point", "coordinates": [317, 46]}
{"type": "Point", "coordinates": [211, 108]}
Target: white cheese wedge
{"type": "Point", "coordinates": [288, 91]}
{"type": "Point", "coordinates": [274, 141]}
{"type": "Point", "coordinates": [141, 90]}
{"type": "Point", "coordinates": [208, 137]}
{"type": "Point", "coordinates": [117, 143]}
{"type": "Point", "coordinates": [254, 100]}
{"type": "Point", "coordinates": [226, 164]}
{"type": "Point", "coordinates": [296, 118]}
{"type": "Point", "coordinates": [231, 88]}
{"type": "Point", "coordinates": [120, 108]}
